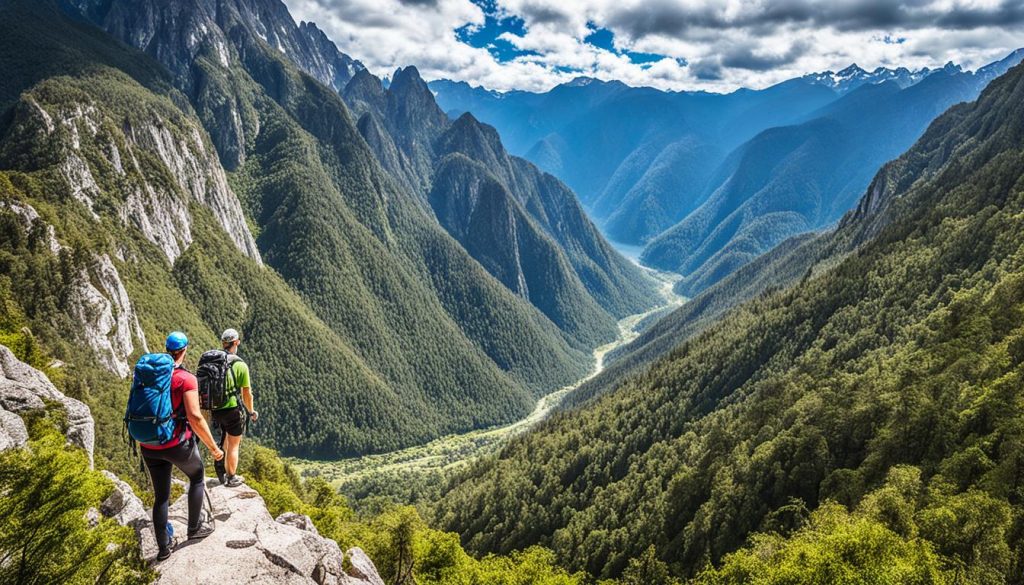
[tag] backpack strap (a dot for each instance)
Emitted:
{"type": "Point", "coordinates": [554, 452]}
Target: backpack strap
{"type": "Point", "coordinates": [232, 360]}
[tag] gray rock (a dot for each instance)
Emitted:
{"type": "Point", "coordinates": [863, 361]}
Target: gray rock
{"type": "Point", "coordinates": [300, 521]}
{"type": "Point", "coordinates": [99, 303]}
{"type": "Point", "coordinates": [362, 571]}
{"type": "Point", "coordinates": [23, 388]}
{"type": "Point", "coordinates": [250, 546]}
{"type": "Point", "coordinates": [126, 508]}
{"type": "Point", "coordinates": [12, 431]}
{"type": "Point", "coordinates": [92, 516]}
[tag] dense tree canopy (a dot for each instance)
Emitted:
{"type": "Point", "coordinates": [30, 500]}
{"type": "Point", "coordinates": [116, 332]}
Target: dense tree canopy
{"type": "Point", "coordinates": [902, 349]}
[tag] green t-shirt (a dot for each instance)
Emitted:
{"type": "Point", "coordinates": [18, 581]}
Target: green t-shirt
{"type": "Point", "coordinates": [240, 379]}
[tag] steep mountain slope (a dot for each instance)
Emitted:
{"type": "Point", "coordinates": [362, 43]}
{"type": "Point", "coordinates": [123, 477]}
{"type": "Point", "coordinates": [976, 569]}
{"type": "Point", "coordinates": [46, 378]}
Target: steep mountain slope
{"type": "Point", "coordinates": [524, 226]}
{"type": "Point", "coordinates": [644, 160]}
{"type": "Point", "coordinates": [370, 328]}
{"type": "Point", "coordinates": [888, 379]}
{"type": "Point", "coordinates": [793, 179]}
{"type": "Point", "coordinates": [620, 147]}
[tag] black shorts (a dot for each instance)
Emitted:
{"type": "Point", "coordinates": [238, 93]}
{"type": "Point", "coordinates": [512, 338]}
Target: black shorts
{"type": "Point", "coordinates": [231, 420]}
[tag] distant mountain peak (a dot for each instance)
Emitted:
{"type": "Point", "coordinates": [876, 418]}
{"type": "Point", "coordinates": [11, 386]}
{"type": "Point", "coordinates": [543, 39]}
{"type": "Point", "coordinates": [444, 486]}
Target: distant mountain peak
{"type": "Point", "coordinates": [854, 76]}
{"type": "Point", "coordinates": [581, 81]}
{"type": "Point", "coordinates": [406, 74]}
{"type": "Point", "coordinates": [852, 70]}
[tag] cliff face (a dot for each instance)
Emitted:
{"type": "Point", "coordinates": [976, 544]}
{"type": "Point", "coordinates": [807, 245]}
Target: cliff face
{"type": "Point", "coordinates": [24, 389]}
{"type": "Point", "coordinates": [248, 546]}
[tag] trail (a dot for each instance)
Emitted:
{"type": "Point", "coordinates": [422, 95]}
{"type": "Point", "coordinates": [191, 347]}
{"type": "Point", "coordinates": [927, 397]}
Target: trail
{"type": "Point", "coordinates": [455, 450]}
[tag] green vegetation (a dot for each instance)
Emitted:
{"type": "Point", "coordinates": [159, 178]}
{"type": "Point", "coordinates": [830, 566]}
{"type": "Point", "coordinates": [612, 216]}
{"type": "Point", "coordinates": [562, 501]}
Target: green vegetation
{"type": "Point", "coordinates": [523, 226]}
{"type": "Point", "coordinates": [404, 549]}
{"type": "Point", "coordinates": [888, 539]}
{"type": "Point", "coordinates": [378, 333]}
{"type": "Point", "coordinates": [46, 535]}
{"type": "Point", "coordinates": [904, 351]}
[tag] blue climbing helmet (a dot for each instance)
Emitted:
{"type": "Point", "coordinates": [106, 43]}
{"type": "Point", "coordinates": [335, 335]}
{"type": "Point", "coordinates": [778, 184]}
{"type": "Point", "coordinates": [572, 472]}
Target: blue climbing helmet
{"type": "Point", "coordinates": [176, 340]}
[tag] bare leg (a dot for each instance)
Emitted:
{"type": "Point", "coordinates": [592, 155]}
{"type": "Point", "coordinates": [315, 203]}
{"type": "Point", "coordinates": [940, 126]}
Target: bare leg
{"type": "Point", "coordinates": [231, 448]}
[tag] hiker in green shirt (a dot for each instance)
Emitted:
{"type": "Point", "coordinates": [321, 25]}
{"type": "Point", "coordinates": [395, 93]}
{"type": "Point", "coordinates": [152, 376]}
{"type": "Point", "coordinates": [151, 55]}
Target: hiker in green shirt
{"type": "Point", "coordinates": [233, 416]}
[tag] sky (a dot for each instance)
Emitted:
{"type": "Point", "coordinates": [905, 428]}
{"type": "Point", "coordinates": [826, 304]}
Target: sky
{"type": "Point", "coordinates": [711, 45]}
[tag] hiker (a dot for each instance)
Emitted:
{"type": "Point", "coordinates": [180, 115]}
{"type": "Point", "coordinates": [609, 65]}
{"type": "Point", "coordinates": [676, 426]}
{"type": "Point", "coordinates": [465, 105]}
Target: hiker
{"type": "Point", "coordinates": [233, 415]}
{"type": "Point", "coordinates": [174, 436]}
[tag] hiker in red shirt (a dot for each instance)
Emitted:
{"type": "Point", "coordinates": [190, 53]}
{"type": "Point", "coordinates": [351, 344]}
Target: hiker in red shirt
{"type": "Point", "coordinates": [181, 451]}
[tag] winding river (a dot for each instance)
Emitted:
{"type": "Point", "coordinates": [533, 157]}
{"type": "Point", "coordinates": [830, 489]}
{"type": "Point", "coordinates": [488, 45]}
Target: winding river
{"type": "Point", "coordinates": [459, 449]}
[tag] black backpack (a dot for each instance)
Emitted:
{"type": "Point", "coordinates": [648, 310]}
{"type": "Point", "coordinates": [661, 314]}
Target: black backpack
{"type": "Point", "coordinates": [212, 373]}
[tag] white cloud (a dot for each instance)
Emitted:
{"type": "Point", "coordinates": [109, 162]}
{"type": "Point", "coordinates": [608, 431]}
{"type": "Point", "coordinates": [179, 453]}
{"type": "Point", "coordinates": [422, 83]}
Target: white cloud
{"type": "Point", "coordinates": [726, 43]}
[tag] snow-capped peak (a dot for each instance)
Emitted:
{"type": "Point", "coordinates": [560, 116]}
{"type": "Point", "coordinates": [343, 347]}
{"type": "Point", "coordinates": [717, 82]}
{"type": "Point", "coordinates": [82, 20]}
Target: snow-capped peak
{"type": "Point", "coordinates": [853, 77]}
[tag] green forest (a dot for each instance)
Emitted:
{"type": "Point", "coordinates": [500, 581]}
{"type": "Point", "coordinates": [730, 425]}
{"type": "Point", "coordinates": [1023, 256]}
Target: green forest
{"type": "Point", "coordinates": [870, 414]}
{"type": "Point", "coordinates": [379, 332]}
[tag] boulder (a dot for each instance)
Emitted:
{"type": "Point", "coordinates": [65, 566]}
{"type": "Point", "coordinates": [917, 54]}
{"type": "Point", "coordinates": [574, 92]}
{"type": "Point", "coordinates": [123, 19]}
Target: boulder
{"type": "Point", "coordinates": [361, 569]}
{"type": "Point", "coordinates": [24, 388]}
{"type": "Point", "coordinates": [12, 430]}
{"type": "Point", "coordinates": [127, 509]}
{"type": "Point", "coordinates": [250, 546]}
{"type": "Point", "coordinates": [300, 521]}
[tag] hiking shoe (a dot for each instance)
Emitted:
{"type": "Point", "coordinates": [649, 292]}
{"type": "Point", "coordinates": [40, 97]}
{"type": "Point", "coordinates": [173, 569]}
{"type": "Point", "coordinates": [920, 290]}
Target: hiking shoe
{"type": "Point", "coordinates": [166, 552]}
{"type": "Point", "coordinates": [235, 481]}
{"type": "Point", "coordinates": [205, 529]}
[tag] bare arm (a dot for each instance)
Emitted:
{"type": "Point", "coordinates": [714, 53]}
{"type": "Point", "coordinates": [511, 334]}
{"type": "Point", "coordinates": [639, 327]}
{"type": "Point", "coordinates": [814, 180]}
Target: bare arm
{"type": "Point", "coordinates": [247, 399]}
{"type": "Point", "coordinates": [199, 426]}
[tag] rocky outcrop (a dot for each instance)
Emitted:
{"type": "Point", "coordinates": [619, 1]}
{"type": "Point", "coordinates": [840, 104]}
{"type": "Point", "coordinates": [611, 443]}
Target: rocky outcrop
{"type": "Point", "coordinates": [24, 388]}
{"type": "Point", "coordinates": [30, 220]}
{"type": "Point", "coordinates": [12, 431]}
{"type": "Point", "coordinates": [300, 521]}
{"type": "Point", "coordinates": [197, 172]}
{"type": "Point", "coordinates": [156, 201]}
{"type": "Point", "coordinates": [249, 546]}
{"type": "Point", "coordinates": [99, 302]}
{"type": "Point", "coordinates": [127, 509]}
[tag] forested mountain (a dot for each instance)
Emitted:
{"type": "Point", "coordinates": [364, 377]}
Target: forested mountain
{"type": "Point", "coordinates": [637, 157]}
{"type": "Point", "coordinates": [794, 179]}
{"type": "Point", "coordinates": [711, 181]}
{"type": "Point", "coordinates": [524, 226]}
{"type": "Point", "coordinates": [371, 326]}
{"type": "Point", "coordinates": [866, 418]}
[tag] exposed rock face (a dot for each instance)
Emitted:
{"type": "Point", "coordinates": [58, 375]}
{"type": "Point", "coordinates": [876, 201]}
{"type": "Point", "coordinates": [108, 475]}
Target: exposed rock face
{"type": "Point", "coordinates": [75, 170]}
{"type": "Point", "coordinates": [249, 546]}
{"type": "Point", "coordinates": [195, 38]}
{"type": "Point", "coordinates": [100, 303]}
{"type": "Point", "coordinates": [362, 571]}
{"type": "Point", "coordinates": [126, 508]}
{"type": "Point", "coordinates": [24, 388]}
{"type": "Point", "coordinates": [12, 431]}
{"type": "Point", "coordinates": [198, 173]}
{"type": "Point", "coordinates": [30, 220]}
{"type": "Point", "coordinates": [158, 208]}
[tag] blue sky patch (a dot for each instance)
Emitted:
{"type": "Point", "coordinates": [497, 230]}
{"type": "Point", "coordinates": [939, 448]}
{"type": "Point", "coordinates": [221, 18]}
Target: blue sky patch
{"type": "Point", "coordinates": [486, 36]}
{"type": "Point", "coordinates": [603, 38]}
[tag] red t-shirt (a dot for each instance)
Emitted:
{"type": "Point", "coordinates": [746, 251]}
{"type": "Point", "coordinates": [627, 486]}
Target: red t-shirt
{"type": "Point", "coordinates": [182, 381]}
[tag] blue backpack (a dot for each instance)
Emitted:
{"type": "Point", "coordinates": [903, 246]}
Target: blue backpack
{"type": "Point", "coordinates": [150, 417]}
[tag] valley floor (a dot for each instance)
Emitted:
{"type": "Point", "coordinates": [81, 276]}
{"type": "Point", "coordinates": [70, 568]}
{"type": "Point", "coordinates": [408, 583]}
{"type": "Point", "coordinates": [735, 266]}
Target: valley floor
{"type": "Point", "coordinates": [447, 453]}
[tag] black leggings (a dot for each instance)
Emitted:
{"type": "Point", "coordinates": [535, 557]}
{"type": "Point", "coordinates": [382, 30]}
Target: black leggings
{"type": "Point", "coordinates": [159, 461]}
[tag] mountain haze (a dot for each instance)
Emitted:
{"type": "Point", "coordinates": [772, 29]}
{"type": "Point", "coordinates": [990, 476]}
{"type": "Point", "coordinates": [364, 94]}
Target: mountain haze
{"type": "Point", "coordinates": [708, 182]}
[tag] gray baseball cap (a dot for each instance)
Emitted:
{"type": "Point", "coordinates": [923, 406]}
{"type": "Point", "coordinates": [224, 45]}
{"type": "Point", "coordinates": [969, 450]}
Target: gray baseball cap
{"type": "Point", "coordinates": [229, 335]}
